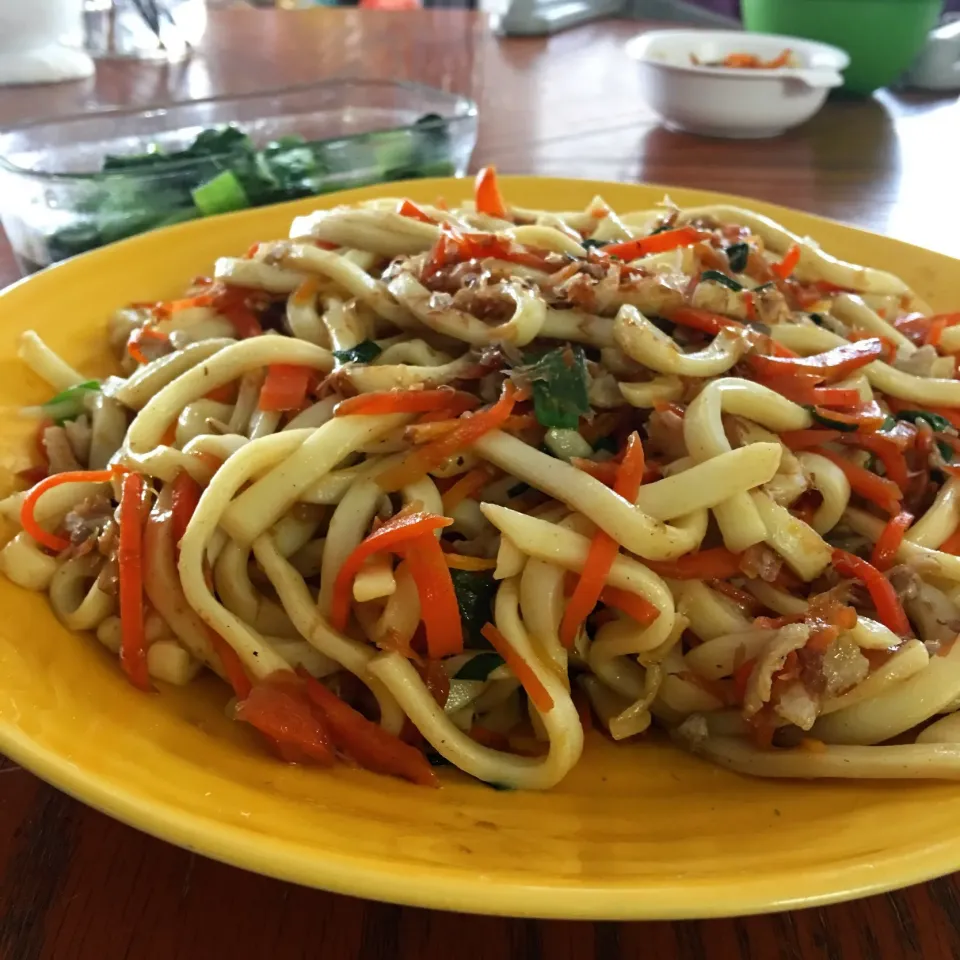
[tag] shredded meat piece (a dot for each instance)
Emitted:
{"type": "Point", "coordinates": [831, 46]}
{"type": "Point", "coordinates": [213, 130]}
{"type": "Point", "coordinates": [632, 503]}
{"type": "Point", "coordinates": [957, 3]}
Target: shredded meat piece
{"type": "Point", "coordinates": [487, 303]}
{"type": "Point", "coordinates": [935, 616]}
{"type": "Point", "coordinates": [771, 307]}
{"type": "Point", "coordinates": [761, 562]}
{"type": "Point", "coordinates": [90, 525]}
{"type": "Point", "coordinates": [794, 636]}
{"type": "Point", "coordinates": [797, 706]}
{"type": "Point", "coordinates": [919, 363]}
{"type": "Point", "coordinates": [59, 451]}
{"type": "Point", "coordinates": [665, 435]}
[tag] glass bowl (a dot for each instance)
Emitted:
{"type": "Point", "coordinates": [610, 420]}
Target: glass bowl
{"type": "Point", "coordinates": [70, 185]}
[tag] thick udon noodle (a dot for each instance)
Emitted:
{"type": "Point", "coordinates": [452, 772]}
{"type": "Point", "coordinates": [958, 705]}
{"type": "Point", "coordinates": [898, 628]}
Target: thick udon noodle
{"type": "Point", "coordinates": [287, 496]}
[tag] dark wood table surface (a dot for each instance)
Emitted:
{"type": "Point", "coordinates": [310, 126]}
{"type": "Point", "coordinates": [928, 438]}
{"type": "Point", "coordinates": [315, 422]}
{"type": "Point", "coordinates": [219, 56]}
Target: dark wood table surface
{"type": "Point", "coordinates": [75, 885]}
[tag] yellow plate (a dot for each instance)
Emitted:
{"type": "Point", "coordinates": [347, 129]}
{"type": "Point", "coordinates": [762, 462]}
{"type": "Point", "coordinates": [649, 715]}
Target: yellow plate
{"type": "Point", "coordinates": [638, 830]}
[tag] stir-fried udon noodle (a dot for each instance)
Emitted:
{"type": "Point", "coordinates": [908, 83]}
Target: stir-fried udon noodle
{"type": "Point", "coordinates": [431, 485]}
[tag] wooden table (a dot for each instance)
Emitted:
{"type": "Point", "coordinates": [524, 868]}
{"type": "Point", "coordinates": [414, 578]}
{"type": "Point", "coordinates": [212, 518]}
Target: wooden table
{"type": "Point", "coordinates": [75, 885]}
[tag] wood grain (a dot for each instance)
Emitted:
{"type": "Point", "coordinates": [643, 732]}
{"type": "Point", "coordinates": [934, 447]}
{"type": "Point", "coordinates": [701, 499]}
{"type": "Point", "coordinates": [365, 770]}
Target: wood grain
{"type": "Point", "coordinates": [75, 885]}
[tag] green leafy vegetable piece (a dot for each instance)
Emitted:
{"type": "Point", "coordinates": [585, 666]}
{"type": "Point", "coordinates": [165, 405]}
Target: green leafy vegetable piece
{"type": "Point", "coordinates": [361, 353]}
{"type": "Point", "coordinates": [817, 319]}
{"type": "Point", "coordinates": [479, 667]}
{"type": "Point", "coordinates": [606, 443]}
{"type": "Point", "coordinates": [69, 404]}
{"type": "Point", "coordinates": [590, 243]}
{"type": "Point", "coordinates": [938, 423]}
{"type": "Point", "coordinates": [737, 254]}
{"type": "Point", "coordinates": [661, 229]}
{"type": "Point", "coordinates": [220, 195]}
{"type": "Point", "coordinates": [769, 285]}
{"type": "Point", "coordinates": [475, 591]}
{"type": "Point", "coordinates": [559, 381]}
{"type": "Point", "coordinates": [717, 277]}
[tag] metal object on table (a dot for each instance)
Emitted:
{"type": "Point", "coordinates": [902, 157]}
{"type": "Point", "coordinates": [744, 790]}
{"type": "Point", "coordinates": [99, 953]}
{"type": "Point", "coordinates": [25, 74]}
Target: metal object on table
{"type": "Point", "coordinates": [143, 29]}
{"type": "Point", "coordinates": [539, 17]}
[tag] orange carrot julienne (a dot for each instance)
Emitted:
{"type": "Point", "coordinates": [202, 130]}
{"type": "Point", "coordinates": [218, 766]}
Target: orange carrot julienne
{"type": "Point", "coordinates": [29, 522]}
{"type": "Point", "coordinates": [285, 387]}
{"type": "Point", "coordinates": [186, 495]}
{"type": "Point", "coordinates": [133, 644]}
{"type": "Point", "coordinates": [471, 428]}
{"type": "Point", "coordinates": [535, 690]}
{"type": "Point", "coordinates": [788, 264]}
{"type": "Point", "coordinates": [487, 194]}
{"type": "Point", "coordinates": [473, 481]}
{"type": "Point", "coordinates": [884, 493]}
{"type": "Point", "coordinates": [888, 543]}
{"type": "Point", "coordinates": [232, 665]}
{"type": "Point", "coordinates": [655, 243]}
{"type": "Point", "coordinates": [632, 604]}
{"type": "Point", "coordinates": [407, 208]}
{"type": "Point", "coordinates": [716, 563]}
{"type": "Point", "coordinates": [603, 548]}
{"type": "Point", "coordinates": [138, 336]}
{"type": "Point", "coordinates": [438, 599]}
{"type": "Point", "coordinates": [366, 742]}
{"type": "Point", "coordinates": [307, 291]}
{"type": "Point", "coordinates": [397, 531]}
{"type": "Point", "coordinates": [406, 401]}
{"type": "Point", "coordinates": [280, 709]}
{"type": "Point", "coordinates": [798, 440]}
{"type": "Point", "coordinates": [890, 611]}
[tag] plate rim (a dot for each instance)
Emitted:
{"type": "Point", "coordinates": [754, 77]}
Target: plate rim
{"type": "Point", "coordinates": [437, 886]}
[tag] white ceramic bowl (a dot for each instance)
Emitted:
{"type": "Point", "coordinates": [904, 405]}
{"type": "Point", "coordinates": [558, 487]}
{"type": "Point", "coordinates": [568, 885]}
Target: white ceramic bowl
{"type": "Point", "coordinates": [730, 102]}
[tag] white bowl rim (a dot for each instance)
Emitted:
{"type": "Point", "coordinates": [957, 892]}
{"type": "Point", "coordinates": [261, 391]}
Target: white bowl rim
{"type": "Point", "coordinates": [638, 47]}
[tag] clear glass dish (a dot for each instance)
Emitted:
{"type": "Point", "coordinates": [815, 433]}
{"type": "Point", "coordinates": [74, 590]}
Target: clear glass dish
{"type": "Point", "coordinates": [56, 199]}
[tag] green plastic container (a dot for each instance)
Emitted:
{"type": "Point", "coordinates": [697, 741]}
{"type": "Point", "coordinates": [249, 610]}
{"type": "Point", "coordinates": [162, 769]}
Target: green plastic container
{"type": "Point", "coordinates": [882, 36]}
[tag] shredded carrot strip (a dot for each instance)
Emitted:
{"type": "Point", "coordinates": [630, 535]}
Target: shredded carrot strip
{"type": "Point", "coordinates": [487, 194]}
{"type": "Point", "coordinates": [888, 543]}
{"type": "Point", "coordinates": [632, 604]}
{"type": "Point", "coordinates": [471, 427]}
{"type": "Point", "coordinates": [232, 665]}
{"type": "Point", "coordinates": [788, 264]}
{"type": "Point", "coordinates": [603, 548]}
{"type": "Point", "coordinates": [29, 522]}
{"type": "Point", "coordinates": [366, 742]}
{"type": "Point", "coordinates": [133, 646]}
{"type": "Point", "coordinates": [398, 531]}
{"type": "Point", "coordinates": [405, 401]}
{"type": "Point", "coordinates": [536, 691]}
{"type": "Point", "coordinates": [466, 486]}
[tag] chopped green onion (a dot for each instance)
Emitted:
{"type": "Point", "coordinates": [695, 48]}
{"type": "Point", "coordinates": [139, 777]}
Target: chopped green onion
{"type": "Point", "coordinates": [590, 243]}
{"type": "Point", "coordinates": [817, 319]}
{"type": "Point", "coordinates": [220, 195]}
{"type": "Point", "coordinates": [479, 667]}
{"type": "Point", "coordinates": [938, 423]}
{"type": "Point", "coordinates": [67, 405]}
{"type": "Point", "coordinates": [769, 285]}
{"type": "Point", "coordinates": [738, 254]}
{"type": "Point", "coordinates": [946, 451]}
{"type": "Point", "coordinates": [888, 424]}
{"type": "Point", "coordinates": [661, 229]}
{"type": "Point", "coordinates": [722, 279]}
{"type": "Point", "coordinates": [362, 353]}
{"type": "Point", "coordinates": [559, 381]}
